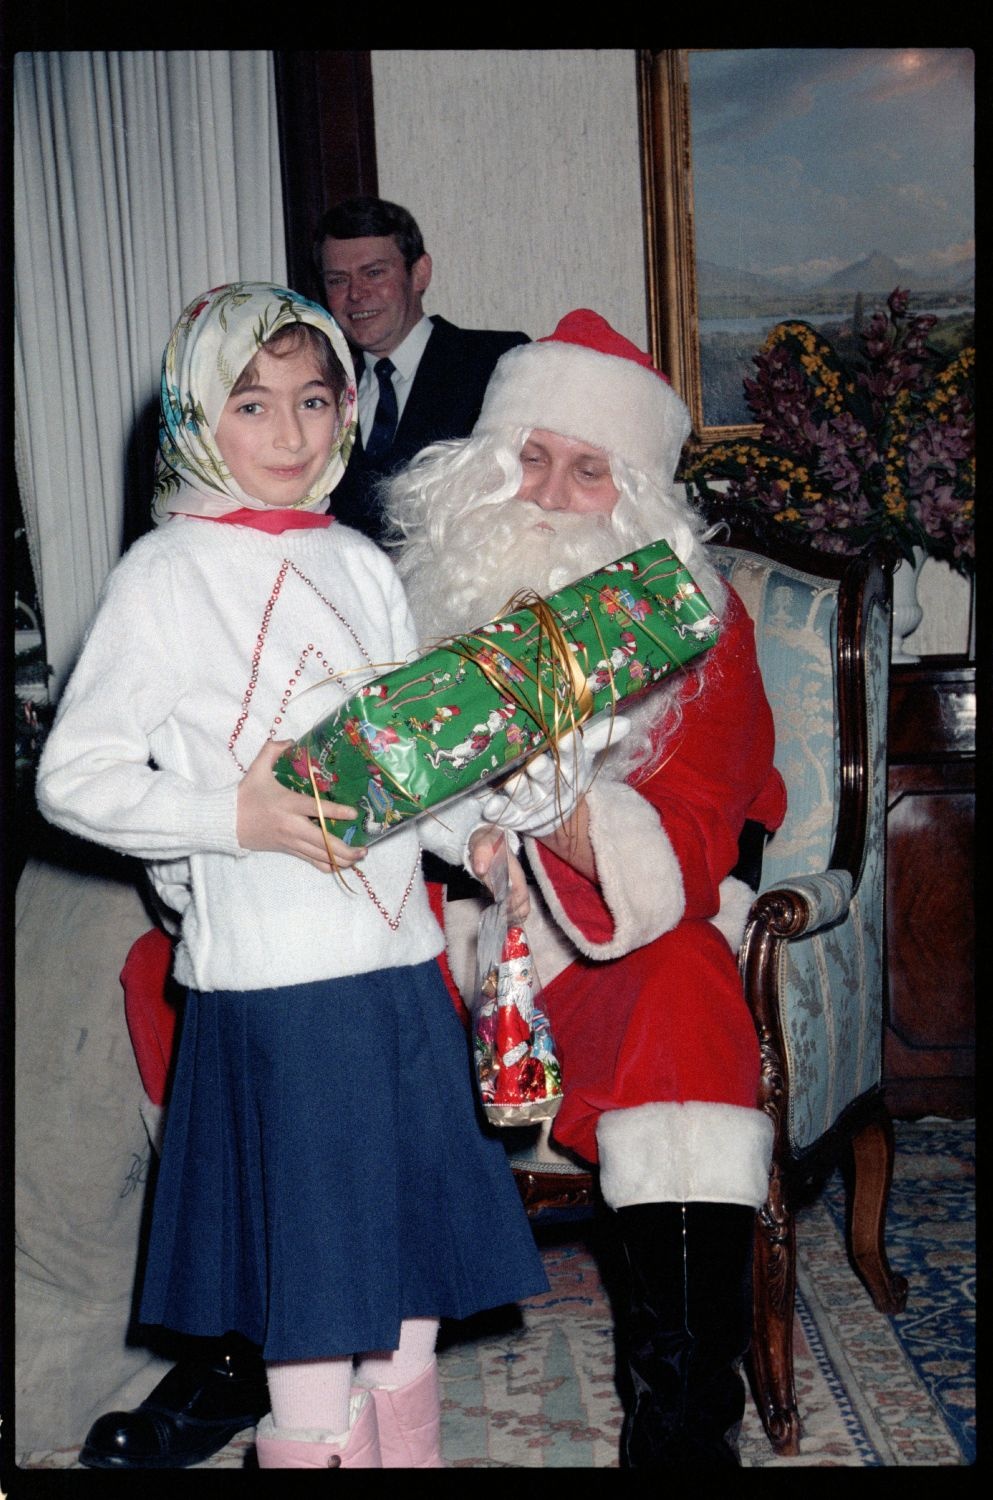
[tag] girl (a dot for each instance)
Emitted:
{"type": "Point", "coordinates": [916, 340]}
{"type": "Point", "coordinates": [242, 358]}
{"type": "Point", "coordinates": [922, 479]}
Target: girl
{"type": "Point", "coordinates": [324, 1187]}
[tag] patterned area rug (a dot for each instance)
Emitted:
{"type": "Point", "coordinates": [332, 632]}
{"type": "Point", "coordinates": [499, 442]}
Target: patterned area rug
{"type": "Point", "coordinates": [873, 1391]}
{"type": "Point", "coordinates": [534, 1387]}
{"type": "Point", "coordinates": [930, 1369]}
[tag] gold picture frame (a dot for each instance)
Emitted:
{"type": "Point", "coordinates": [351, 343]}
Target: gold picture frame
{"type": "Point", "coordinates": [913, 194]}
{"type": "Point", "coordinates": [670, 248]}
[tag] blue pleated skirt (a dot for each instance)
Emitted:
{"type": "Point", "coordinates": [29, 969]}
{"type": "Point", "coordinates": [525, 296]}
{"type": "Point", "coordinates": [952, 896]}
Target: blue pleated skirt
{"type": "Point", "coordinates": [326, 1172]}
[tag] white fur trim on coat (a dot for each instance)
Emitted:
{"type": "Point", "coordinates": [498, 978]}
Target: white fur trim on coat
{"type": "Point", "coordinates": [153, 1119]}
{"type": "Point", "coordinates": [685, 1153]}
{"type": "Point", "coordinates": [643, 890]}
{"type": "Point", "coordinates": [736, 903]}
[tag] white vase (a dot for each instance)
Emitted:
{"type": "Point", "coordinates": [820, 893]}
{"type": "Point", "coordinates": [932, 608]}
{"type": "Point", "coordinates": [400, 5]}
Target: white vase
{"type": "Point", "coordinates": [907, 612]}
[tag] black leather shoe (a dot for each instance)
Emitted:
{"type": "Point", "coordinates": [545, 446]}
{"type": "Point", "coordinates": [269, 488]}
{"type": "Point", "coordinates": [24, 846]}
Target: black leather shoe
{"type": "Point", "coordinates": [197, 1408]}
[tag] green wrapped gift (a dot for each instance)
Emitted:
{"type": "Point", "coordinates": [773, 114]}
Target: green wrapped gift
{"type": "Point", "coordinates": [474, 708]}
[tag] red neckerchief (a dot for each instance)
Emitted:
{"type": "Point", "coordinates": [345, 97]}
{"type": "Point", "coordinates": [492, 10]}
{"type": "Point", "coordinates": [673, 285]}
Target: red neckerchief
{"type": "Point", "coordinates": [272, 520]}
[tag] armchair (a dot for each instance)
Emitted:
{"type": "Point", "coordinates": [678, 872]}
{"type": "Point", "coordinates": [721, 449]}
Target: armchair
{"type": "Point", "coordinates": [812, 958]}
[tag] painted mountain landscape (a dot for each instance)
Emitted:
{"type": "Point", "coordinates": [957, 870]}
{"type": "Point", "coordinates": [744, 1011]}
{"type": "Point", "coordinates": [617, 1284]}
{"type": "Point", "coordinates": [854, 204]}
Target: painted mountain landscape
{"type": "Point", "coordinates": [823, 178]}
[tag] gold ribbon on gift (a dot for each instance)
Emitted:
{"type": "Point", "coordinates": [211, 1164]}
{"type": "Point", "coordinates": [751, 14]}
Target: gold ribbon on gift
{"type": "Point", "coordinates": [572, 700]}
{"type": "Point", "coordinates": [557, 684]}
{"type": "Point", "coordinates": [335, 867]}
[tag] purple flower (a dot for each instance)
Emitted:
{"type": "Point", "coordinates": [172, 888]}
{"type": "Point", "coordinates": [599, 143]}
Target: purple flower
{"type": "Point", "coordinates": [876, 336]}
{"type": "Point", "coordinates": [878, 447]}
{"type": "Point", "coordinates": [915, 339]}
{"type": "Point", "coordinates": [898, 301]}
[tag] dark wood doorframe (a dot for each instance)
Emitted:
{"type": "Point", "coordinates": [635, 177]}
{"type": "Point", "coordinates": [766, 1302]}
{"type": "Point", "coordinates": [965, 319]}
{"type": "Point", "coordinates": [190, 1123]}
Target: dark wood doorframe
{"type": "Point", "coordinates": [327, 145]}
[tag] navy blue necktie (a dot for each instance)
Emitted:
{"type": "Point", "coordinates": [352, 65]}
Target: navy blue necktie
{"type": "Point", "coordinates": [385, 421]}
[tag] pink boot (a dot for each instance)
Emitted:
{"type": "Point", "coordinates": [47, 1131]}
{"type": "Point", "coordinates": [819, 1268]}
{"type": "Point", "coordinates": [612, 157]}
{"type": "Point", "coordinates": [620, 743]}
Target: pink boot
{"type": "Point", "coordinates": [409, 1418]}
{"type": "Point", "coordinates": [283, 1449]}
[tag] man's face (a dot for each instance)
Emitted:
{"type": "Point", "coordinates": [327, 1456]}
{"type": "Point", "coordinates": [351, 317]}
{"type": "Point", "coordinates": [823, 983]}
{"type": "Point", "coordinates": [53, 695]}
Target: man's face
{"type": "Point", "coordinates": [370, 291]}
{"type": "Point", "coordinates": [566, 474]}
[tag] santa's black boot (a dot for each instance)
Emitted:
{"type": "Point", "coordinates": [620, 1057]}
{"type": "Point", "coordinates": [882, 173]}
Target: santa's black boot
{"type": "Point", "coordinates": [687, 1324]}
{"type": "Point", "coordinates": [194, 1411]}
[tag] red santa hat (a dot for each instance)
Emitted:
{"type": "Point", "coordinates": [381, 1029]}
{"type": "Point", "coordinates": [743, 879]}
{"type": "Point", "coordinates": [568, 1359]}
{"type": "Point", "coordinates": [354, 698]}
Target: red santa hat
{"type": "Point", "coordinates": [588, 381]}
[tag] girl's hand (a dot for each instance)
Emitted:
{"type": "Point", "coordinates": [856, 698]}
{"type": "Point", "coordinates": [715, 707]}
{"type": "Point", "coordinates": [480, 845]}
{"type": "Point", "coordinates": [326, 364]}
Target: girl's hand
{"type": "Point", "coordinates": [273, 818]}
{"type": "Point", "coordinates": [483, 841]}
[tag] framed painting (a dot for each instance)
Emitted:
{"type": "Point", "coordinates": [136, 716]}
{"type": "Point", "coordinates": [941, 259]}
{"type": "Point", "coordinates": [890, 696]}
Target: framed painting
{"type": "Point", "coordinates": [799, 182]}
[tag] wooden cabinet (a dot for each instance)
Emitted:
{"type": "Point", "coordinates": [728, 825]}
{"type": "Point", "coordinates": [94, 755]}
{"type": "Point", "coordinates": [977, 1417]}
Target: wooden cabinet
{"type": "Point", "coordinates": [929, 1040]}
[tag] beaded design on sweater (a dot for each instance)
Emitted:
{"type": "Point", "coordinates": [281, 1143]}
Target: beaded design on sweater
{"type": "Point", "coordinates": [260, 641]}
{"type": "Point", "coordinates": [393, 922]}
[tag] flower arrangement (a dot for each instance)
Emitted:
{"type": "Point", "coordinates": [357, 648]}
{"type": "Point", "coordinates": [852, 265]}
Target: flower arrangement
{"type": "Point", "coordinates": [875, 448]}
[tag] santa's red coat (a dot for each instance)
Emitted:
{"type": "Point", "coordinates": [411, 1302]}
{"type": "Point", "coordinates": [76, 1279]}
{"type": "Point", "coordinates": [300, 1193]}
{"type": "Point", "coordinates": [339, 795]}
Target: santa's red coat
{"type": "Point", "coordinates": [651, 1010]}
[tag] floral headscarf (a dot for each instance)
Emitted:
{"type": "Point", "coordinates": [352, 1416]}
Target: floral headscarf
{"type": "Point", "coordinates": [211, 344]}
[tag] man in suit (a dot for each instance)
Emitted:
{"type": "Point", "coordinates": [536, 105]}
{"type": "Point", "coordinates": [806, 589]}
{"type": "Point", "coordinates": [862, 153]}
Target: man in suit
{"type": "Point", "coordinates": [374, 271]}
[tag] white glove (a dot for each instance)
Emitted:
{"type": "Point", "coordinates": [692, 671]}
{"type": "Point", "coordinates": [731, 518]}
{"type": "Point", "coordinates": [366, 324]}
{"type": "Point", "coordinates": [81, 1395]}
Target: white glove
{"type": "Point", "coordinates": [543, 796]}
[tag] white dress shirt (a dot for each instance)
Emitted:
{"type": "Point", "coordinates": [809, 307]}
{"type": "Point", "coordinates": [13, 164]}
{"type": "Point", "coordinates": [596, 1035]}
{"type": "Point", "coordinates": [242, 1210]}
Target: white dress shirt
{"type": "Point", "coordinates": [406, 357]}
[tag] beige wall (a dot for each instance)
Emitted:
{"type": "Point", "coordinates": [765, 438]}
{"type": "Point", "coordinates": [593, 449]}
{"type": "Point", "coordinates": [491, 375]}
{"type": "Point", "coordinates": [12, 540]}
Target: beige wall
{"type": "Point", "coordinates": [523, 170]}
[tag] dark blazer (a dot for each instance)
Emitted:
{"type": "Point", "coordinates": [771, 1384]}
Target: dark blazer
{"type": "Point", "coordinates": [444, 403]}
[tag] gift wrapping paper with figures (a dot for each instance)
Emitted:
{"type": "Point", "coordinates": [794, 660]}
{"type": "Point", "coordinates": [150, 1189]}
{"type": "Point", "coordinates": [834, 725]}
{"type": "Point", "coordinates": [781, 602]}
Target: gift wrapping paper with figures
{"type": "Point", "coordinates": [477, 706]}
{"type": "Point", "coordinates": [518, 1073]}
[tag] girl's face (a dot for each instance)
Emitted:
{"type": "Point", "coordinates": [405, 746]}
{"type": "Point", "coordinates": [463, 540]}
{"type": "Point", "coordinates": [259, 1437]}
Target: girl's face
{"type": "Point", "coordinates": [276, 434]}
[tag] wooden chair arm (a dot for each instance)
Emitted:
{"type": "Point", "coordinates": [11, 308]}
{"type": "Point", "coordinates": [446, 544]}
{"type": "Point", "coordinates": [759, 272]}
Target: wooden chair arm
{"type": "Point", "coordinates": [799, 907]}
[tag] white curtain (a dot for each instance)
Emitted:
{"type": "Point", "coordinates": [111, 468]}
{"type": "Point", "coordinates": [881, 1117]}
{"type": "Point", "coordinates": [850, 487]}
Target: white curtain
{"type": "Point", "coordinates": [140, 180]}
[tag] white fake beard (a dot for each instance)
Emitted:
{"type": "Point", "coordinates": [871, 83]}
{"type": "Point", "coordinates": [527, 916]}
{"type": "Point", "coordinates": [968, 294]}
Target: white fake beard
{"type": "Point", "coordinates": [498, 550]}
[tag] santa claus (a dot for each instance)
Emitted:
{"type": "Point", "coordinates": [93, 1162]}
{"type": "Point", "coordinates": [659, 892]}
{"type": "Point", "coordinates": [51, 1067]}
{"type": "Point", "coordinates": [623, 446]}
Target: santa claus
{"type": "Point", "coordinates": [635, 918]}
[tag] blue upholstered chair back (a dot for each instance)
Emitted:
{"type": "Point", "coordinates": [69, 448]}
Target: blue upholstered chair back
{"type": "Point", "coordinates": [830, 980]}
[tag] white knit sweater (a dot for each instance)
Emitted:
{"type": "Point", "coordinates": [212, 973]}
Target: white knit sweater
{"type": "Point", "coordinates": [206, 638]}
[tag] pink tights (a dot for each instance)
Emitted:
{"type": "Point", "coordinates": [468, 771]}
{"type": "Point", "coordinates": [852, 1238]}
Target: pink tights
{"type": "Point", "coordinates": [312, 1394]}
